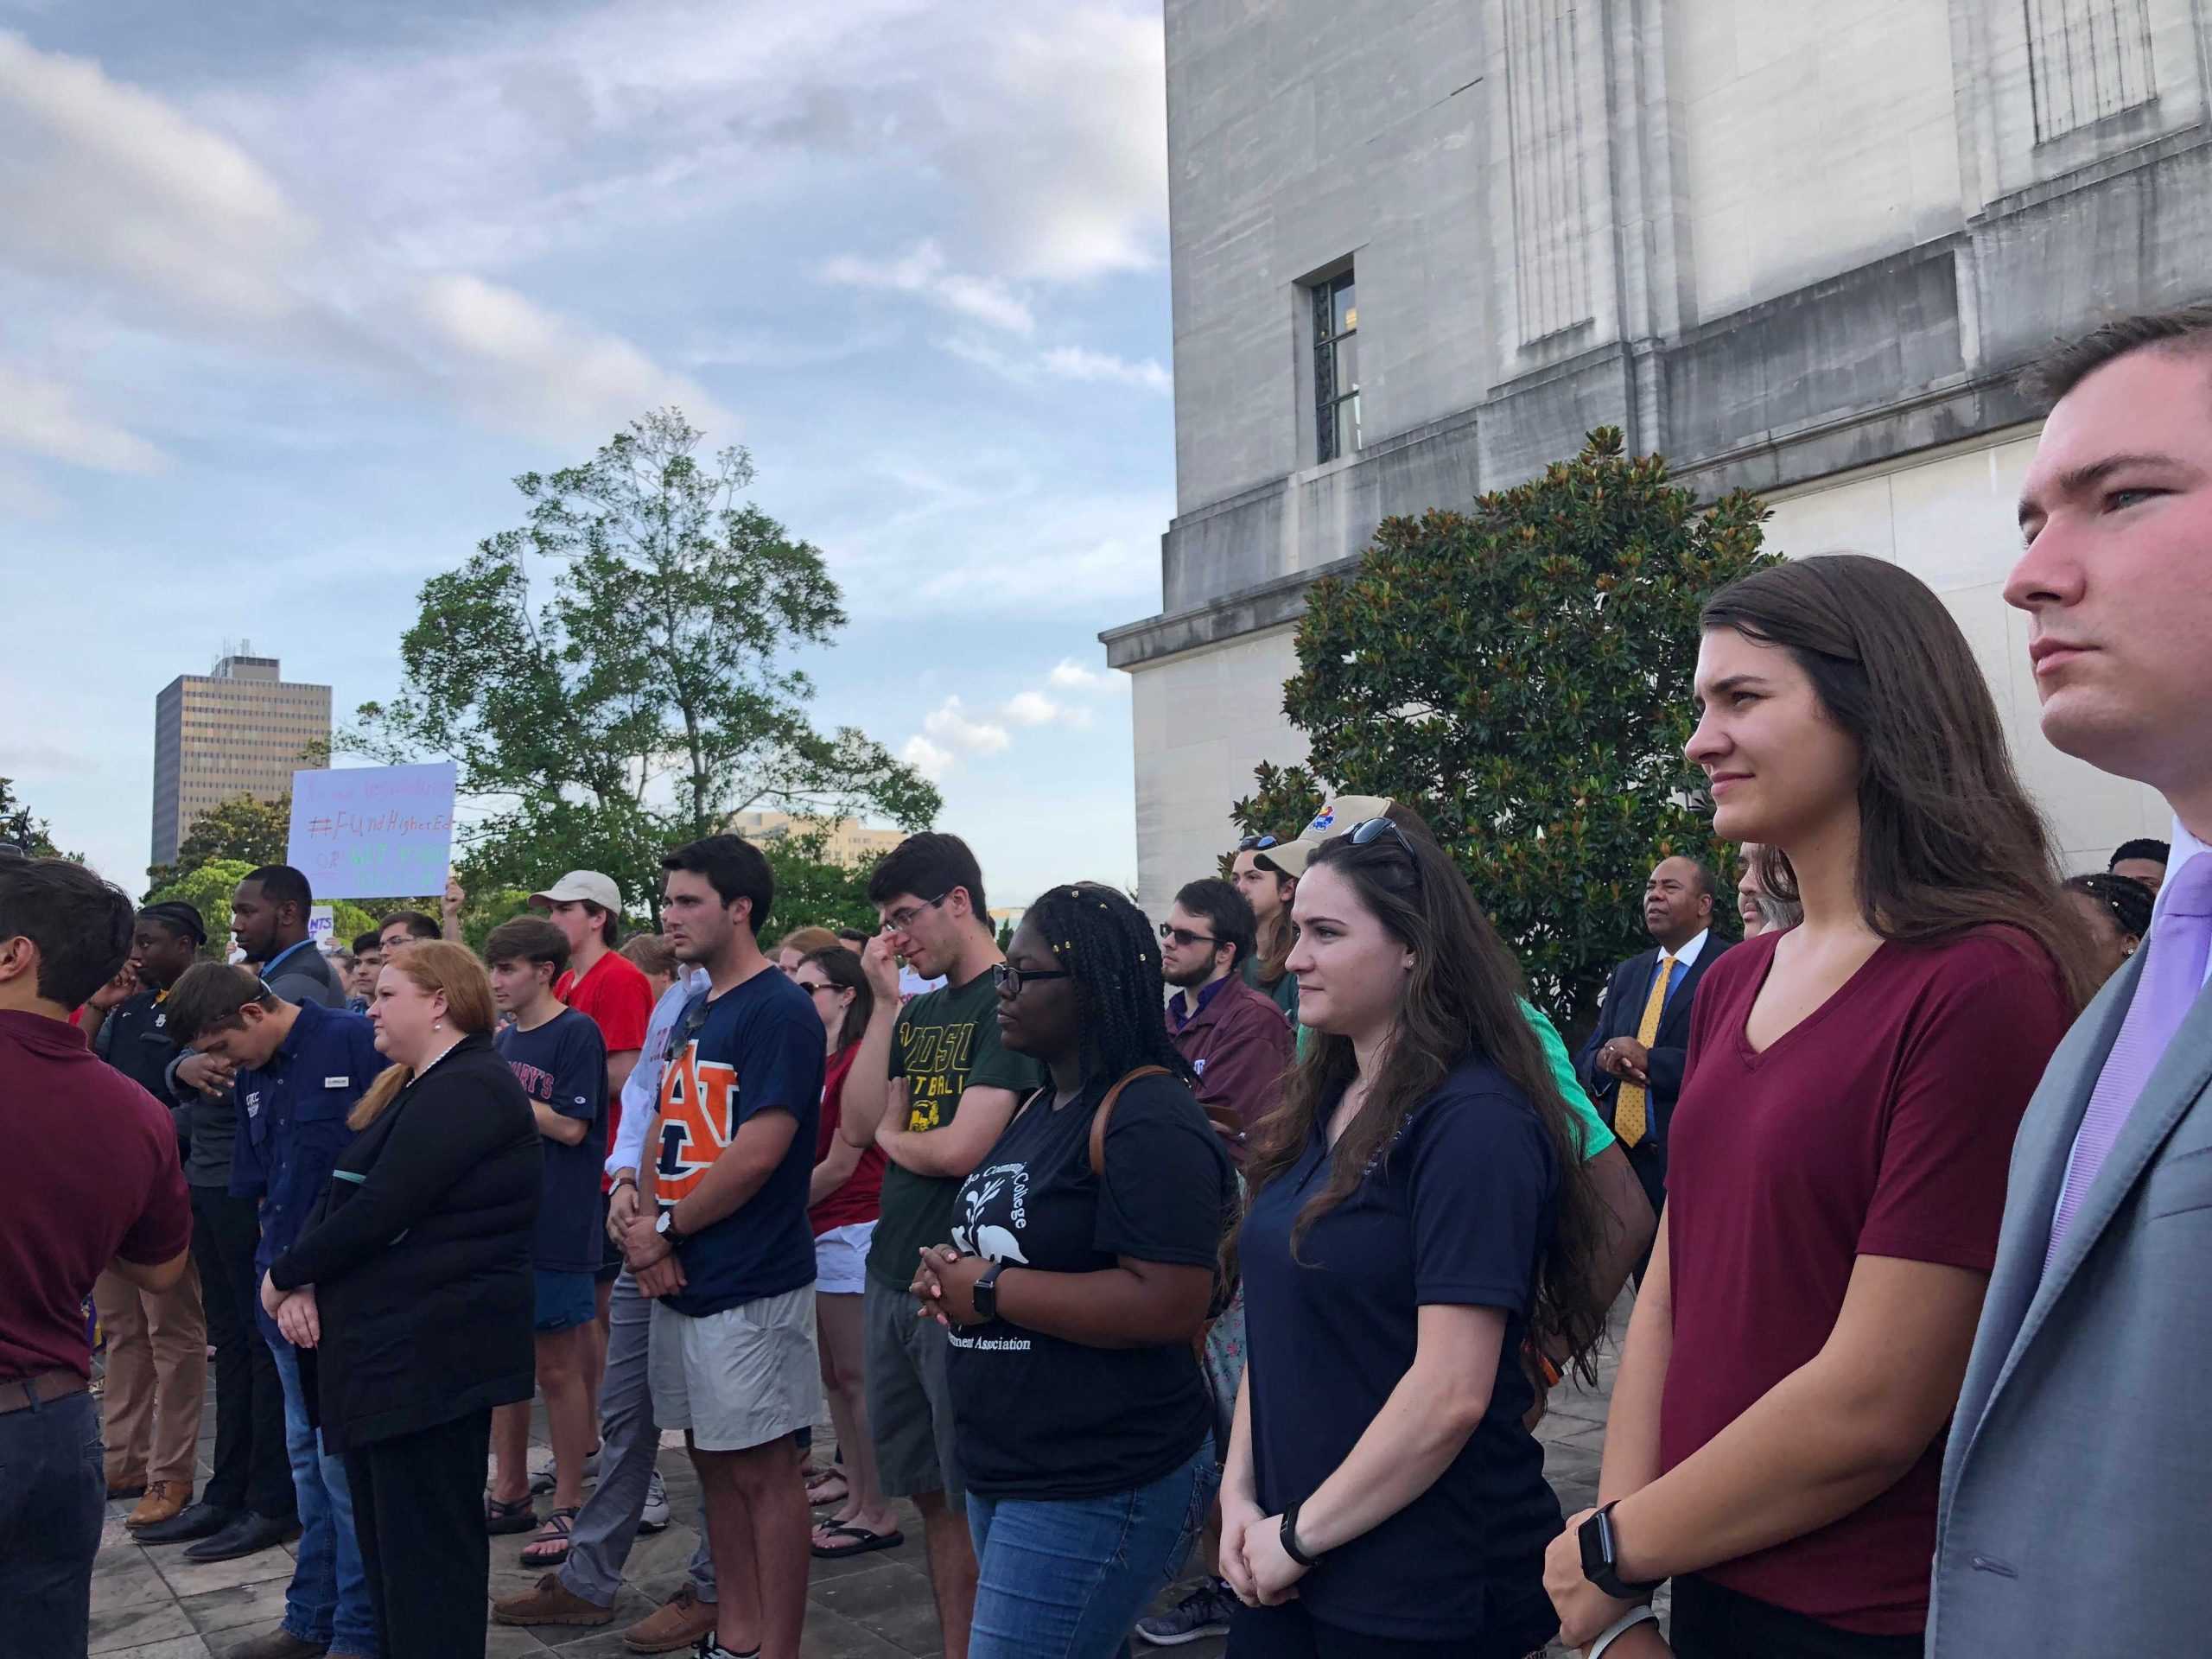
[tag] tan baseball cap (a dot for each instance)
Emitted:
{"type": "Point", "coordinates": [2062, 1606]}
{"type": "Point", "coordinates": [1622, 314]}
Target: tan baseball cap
{"type": "Point", "coordinates": [1336, 818]}
{"type": "Point", "coordinates": [589, 885]}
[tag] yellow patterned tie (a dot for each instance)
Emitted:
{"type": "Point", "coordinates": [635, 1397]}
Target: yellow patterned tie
{"type": "Point", "coordinates": [1631, 1120]}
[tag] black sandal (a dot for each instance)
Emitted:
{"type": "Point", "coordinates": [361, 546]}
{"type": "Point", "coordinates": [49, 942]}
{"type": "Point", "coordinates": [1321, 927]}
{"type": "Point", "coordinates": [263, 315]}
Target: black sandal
{"type": "Point", "coordinates": [500, 1517]}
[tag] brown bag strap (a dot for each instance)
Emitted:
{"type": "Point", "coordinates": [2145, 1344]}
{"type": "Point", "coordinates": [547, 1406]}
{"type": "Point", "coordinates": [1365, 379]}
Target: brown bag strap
{"type": "Point", "coordinates": [1106, 1110]}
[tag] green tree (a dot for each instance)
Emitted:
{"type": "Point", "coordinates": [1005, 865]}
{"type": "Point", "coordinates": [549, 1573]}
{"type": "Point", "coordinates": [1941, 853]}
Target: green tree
{"type": "Point", "coordinates": [1522, 674]}
{"type": "Point", "coordinates": [31, 834]}
{"type": "Point", "coordinates": [617, 674]}
{"type": "Point", "coordinates": [259, 832]}
{"type": "Point", "coordinates": [813, 892]}
{"type": "Point", "coordinates": [208, 890]}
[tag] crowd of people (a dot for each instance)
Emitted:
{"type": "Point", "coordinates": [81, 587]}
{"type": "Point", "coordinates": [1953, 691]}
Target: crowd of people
{"type": "Point", "coordinates": [1251, 1241]}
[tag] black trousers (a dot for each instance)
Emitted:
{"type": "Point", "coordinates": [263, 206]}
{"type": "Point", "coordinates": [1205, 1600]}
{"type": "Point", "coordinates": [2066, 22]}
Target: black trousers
{"type": "Point", "coordinates": [1290, 1632]}
{"type": "Point", "coordinates": [1650, 1163]}
{"type": "Point", "coordinates": [250, 1469]}
{"type": "Point", "coordinates": [418, 1512]}
{"type": "Point", "coordinates": [1712, 1623]}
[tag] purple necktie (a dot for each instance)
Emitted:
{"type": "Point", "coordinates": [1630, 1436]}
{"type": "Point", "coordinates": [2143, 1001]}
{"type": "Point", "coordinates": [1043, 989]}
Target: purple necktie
{"type": "Point", "coordinates": [2172, 979]}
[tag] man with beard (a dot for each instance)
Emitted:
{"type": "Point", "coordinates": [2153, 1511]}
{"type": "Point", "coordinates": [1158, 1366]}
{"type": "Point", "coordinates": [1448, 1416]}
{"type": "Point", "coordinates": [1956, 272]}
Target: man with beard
{"type": "Point", "coordinates": [1235, 1037]}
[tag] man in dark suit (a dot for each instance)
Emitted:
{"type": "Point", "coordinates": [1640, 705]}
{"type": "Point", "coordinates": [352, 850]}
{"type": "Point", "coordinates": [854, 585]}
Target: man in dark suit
{"type": "Point", "coordinates": [1633, 1061]}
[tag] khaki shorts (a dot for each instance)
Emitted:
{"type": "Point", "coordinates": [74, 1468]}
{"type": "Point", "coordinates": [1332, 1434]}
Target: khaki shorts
{"type": "Point", "coordinates": [739, 1378]}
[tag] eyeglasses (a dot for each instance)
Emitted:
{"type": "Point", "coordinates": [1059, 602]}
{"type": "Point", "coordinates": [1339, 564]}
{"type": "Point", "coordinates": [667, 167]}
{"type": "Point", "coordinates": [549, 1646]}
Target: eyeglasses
{"type": "Point", "coordinates": [899, 920]}
{"type": "Point", "coordinates": [1370, 830]}
{"type": "Point", "coordinates": [689, 1027]}
{"type": "Point", "coordinates": [1256, 843]}
{"type": "Point", "coordinates": [1184, 936]}
{"type": "Point", "coordinates": [1010, 979]}
{"type": "Point", "coordinates": [815, 990]}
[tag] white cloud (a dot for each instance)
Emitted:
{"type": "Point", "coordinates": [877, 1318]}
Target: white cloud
{"type": "Point", "coordinates": [926, 757]}
{"type": "Point", "coordinates": [44, 418]}
{"type": "Point", "coordinates": [949, 721]}
{"type": "Point", "coordinates": [1077, 363]}
{"type": "Point", "coordinates": [1069, 675]}
{"type": "Point", "coordinates": [1033, 708]}
{"type": "Point", "coordinates": [921, 270]}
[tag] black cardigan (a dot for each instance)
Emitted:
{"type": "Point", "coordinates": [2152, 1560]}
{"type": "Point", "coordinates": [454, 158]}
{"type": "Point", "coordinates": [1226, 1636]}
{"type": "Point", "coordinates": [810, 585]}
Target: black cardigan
{"type": "Point", "coordinates": [419, 1254]}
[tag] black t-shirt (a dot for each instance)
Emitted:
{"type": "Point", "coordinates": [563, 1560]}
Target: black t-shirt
{"type": "Point", "coordinates": [1459, 1210]}
{"type": "Point", "coordinates": [562, 1065]}
{"type": "Point", "coordinates": [1039, 1416]}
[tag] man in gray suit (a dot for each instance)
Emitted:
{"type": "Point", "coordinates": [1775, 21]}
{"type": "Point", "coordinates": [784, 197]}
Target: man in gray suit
{"type": "Point", "coordinates": [2077, 1471]}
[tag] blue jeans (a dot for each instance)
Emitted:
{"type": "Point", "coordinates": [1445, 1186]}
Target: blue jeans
{"type": "Point", "coordinates": [1065, 1579]}
{"type": "Point", "coordinates": [52, 1494]}
{"type": "Point", "coordinates": [328, 1600]}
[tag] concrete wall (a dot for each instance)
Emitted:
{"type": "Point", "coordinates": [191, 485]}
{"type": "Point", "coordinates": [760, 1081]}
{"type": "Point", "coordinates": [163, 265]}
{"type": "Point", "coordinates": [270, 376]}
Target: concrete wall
{"type": "Point", "coordinates": [1202, 721]}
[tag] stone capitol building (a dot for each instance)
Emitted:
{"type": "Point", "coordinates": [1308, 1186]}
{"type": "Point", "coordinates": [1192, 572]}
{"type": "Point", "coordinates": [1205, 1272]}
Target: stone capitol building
{"type": "Point", "coordinates": [1420, 247]}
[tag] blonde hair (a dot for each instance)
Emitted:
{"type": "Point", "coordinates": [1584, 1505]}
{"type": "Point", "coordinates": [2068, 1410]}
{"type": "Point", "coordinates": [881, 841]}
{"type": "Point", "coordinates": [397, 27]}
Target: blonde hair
{"type": "Point", "coordinates": [808, 940]}
{"type": "Point", "coordinates": [434, 965]}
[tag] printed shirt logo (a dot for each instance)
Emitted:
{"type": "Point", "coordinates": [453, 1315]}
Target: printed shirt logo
{"type": "Point", "coordinates": [936, 1058]}
{"type": "Point", "coordinates": [981, 1195]}
{"type": "Point", "coordinates": [336, 1083]}
{"type": "Point", "coordinates": [698, 1100]}
{"type": "Point", "coordinates": [1198, 1065]}
{"type": "Point", "coordinates": [253, 1104]}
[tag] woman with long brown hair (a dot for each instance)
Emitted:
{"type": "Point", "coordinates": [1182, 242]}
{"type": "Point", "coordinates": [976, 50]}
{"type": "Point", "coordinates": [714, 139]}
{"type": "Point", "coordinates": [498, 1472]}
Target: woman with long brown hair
{"type": "Point", "coordinates": [1419, 1204]}
{"type": "Point", "coordinates": [1840, 1143]}
{"type": "Point", "coordinates": [412, 1288]}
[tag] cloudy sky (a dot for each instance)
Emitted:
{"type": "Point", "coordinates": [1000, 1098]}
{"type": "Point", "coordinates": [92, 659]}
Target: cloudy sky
{"type": "Point", "coordinates": [284, 305]}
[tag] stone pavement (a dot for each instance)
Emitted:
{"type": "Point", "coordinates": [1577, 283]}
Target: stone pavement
{"type": "Point", "coordinates": [148, 1603]}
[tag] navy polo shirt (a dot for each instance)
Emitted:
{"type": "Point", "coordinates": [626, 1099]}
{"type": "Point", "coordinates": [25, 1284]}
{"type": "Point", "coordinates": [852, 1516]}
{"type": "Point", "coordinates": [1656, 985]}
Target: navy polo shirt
{"type": "Point", "coordinates": [292, 1122]}
{"type": "Point", "coordinates": [1458, 1210]}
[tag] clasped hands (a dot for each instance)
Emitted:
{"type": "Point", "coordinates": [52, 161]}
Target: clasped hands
{"type": "Point", "coordinates": [1625, 1059]}
{"type": "Point", "coordinates": [651, 1257]}
{"type": "Point", "coordinates": [298, 1320]}
{"type": "Point", "coordinates": [1253, 1560]}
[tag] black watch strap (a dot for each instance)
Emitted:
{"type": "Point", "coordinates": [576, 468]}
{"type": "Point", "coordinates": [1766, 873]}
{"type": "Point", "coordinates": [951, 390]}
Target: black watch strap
{"type": "Point", "coordinates": [1606, 1575]}
{"type": "Point", "coordinates": [1291, 1547]}
{"type": "Point", "coordinates": [986, 1293]}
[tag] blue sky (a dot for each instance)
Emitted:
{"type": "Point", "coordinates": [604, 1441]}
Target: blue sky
{"type": "Point", "coordinates": [285, 304]}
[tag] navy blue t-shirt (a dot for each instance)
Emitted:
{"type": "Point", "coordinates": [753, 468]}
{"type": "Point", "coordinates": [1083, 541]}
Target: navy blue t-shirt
{"type": "Point", "coordinates": [758, 1047]}
{"type": "Point", "coordinates": [562, 1065]}
{"type": "Point", "coordinates": [1458, 1212]}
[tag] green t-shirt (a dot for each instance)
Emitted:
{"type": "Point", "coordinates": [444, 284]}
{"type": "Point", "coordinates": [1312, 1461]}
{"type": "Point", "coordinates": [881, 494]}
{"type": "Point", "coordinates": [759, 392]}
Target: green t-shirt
{"type": "Point", "coordinates": [947, 1042]}
{"type": "Point", "coordinates": [1595, 1136]}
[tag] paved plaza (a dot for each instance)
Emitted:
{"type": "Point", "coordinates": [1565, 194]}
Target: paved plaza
{"type": "Point", "coordinates": [151, 1604]}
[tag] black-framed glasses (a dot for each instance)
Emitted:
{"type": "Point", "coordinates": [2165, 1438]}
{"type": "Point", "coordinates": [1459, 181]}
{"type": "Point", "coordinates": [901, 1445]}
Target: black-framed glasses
{"type": "Point", "coordinates": [1367, 831]}
{"type": "Point", "coordinates": [817, 988]}
{"type": "Point", "coordinates": [689, 1027]}
{"type": "Point", "coordinates": [1256, 843]}
{"type": "Point", "coordinates": [899, 920]}
{"type": "Point", "coordinates": [1010, 979]}
{"type": "Point", "coordinates": [1184, 936]}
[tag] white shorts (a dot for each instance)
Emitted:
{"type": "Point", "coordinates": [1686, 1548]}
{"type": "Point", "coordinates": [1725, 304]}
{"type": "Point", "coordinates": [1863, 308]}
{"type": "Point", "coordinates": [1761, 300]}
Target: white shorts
{"type": "Point", "coordinates": [739, 1378]}
{"type": "Point", "coordinates": [840, 1259]}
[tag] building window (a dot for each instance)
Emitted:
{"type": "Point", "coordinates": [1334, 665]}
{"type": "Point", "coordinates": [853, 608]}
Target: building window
{"type": "Point", "coordinates": [1336, 368]}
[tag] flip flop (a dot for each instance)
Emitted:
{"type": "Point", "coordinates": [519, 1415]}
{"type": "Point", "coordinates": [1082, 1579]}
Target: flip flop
{"type": "Point", "coordinates": [501, 1517]}
{"type": "Point", "coordinates": [821, 1500]}
{"type": "Point", "coordinates": [863, 1542]}
{"type": "Point", "coordinates": [550, 1546]}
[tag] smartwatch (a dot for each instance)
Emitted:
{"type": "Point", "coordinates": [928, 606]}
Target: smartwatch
{"type": "Point", "coordinates": [986, 1293]}
{"type": "Point", "coordinates": [1601, 1558]}
{"type": "Point", "coordinates": [1291, 1547]}
{"type": "Point", "coordinates": [666, 1227]}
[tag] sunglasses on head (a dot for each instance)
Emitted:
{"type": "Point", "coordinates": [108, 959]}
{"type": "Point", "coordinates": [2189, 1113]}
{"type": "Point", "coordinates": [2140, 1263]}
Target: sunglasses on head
{"type": "Point", "coordinates": [1256, 843]}
{"type": "Point", "coordinates": [1370, 830]}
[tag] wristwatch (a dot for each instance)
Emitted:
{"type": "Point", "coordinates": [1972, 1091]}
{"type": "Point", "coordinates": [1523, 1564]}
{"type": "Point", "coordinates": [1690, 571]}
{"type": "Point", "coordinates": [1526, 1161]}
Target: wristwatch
{"type": "Point", "coordinates": [1291, 1547]}
{"type": "Point", "coordinates": [1601, 1558]}
{"type": "Point", "coordinates": [666, 1227]}
{"type": "Point", "coordinates": [986, 1293]}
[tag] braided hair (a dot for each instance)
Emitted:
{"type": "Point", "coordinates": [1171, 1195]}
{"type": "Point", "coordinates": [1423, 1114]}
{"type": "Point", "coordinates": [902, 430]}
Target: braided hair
{"type": "Point", "coordinates": [1107, 945]}
{"type": "Point", "coordinates": [2127, 900]}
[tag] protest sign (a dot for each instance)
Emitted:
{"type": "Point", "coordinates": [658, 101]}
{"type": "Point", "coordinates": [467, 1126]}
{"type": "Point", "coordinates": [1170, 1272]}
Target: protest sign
{"type": "Point", "coordinates": [372, 832]}
{"type": "Point", "coordinates": [322, 922]}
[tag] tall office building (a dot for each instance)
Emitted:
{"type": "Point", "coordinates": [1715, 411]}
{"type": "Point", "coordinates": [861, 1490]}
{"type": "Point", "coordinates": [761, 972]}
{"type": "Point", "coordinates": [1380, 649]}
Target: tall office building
{"type": "Point", "coordinates": [1420, 247]}
{"type": "Point", "coordinates": [240, 729]}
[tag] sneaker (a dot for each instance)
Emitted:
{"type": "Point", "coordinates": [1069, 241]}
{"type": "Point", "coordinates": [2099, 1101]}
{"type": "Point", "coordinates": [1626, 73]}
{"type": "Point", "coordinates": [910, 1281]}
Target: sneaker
{"type": "Point", "coordinates": [541, 1478]}
{"type": "Point", "coordinates": [655, 1516]}
{"type": "Point", "coordinates": [547, 1602]}
{"type": "Point", "coordinates": [682, 1623]}
{"type": "Point", "coordinates": [1202, 1614]}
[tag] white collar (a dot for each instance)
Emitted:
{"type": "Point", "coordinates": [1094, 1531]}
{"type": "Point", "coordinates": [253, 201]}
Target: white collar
{"type": "Point", "coordinates": [1688, 953]}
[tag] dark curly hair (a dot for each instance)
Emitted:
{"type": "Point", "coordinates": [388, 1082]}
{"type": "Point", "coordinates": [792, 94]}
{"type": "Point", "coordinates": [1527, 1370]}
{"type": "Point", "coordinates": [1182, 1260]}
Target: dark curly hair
{"type": "Point", "coordinates": [1462, 997]}
{"type": "Point", "coordinates": [2127, 900]}
{"type": "Point", "coordinates": [1107, 945]}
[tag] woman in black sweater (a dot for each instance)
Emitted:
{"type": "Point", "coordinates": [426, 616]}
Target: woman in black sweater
{"type": "Point", "coordinates": [412, 1288]}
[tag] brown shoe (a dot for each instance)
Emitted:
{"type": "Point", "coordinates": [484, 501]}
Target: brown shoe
{"type": "Point", "coordinates": [279, 1643]}
{"type": "Point", "coordinates": [548, 1603]}
{"type": "Point", "coordinates": [678, 1624]}
{"type": "Point", "coordinates": [164, 1501]}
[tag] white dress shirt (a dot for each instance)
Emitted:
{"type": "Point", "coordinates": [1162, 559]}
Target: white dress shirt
{"type": "Point", "coordinates": [641, 1093]}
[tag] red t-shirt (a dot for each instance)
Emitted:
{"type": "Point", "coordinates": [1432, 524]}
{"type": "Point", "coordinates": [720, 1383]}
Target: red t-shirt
{"type": "Point", "coordinates": [1881, 1125]}
{"type": "Point", "coordinates": [620, 999]}
{"type": "Point", "coordinates": [861, 1197]}
{"type": "Point", "coordinates": [92, 1174]}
